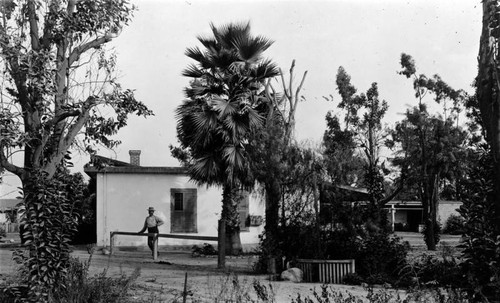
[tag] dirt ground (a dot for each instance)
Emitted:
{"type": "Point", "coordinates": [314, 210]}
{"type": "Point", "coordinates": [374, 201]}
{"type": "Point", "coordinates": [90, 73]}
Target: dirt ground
{"type": "Point", "coordinates": [163, 280]}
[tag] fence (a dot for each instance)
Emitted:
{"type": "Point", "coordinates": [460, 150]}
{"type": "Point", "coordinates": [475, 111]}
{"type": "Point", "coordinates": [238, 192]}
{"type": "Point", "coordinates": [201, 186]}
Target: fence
{"type": "Point", "coordinates": [326, 271]}
{"type": "Point", "coordinates": [220, 239]}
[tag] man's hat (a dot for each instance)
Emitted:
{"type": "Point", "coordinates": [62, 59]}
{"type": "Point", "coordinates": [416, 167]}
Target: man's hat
{"type": "Point", "coordinates": [151, 208]}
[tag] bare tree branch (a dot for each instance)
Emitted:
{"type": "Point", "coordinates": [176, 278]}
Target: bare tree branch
{"type": "Point", "coordinates": [5, 163]}
{"type": "Point", "coordinates": [79, 50]}
{"type": "Point", "coordinates": [66, 141]}
{"type": "Point", "coordinates": [60, 117]}
{"type": "Point", "coordinates": [284, 85]}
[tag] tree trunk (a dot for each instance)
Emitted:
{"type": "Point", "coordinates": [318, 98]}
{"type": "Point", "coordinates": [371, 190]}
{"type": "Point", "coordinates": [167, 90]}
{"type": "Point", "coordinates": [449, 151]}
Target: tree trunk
{"type": "Point", "coordinates": [231, 217]}
{"type": "Point", "coordinates": [430, 206]}
{"type": "Point", "coordinates": [487, 87]}
{"type": "Point", "coordinates": [426, 207]}
{"type": "Point", "coordinates": [271, 245]}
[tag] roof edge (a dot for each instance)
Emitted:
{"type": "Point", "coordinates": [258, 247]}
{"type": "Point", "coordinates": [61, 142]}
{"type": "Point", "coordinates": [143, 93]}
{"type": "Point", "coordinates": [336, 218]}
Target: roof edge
{"type": "Point", "coordinates": [90, 170]}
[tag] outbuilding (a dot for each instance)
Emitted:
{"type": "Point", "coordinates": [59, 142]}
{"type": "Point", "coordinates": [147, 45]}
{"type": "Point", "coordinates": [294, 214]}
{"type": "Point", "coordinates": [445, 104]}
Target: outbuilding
{"type": "Point", "coordinates": [125, 190]}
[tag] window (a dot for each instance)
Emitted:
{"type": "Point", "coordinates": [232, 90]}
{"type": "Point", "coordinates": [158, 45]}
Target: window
{"type": "Point", "coordinates": [183, 210]}
{"type": "Point", "coordinates": [178, 201]}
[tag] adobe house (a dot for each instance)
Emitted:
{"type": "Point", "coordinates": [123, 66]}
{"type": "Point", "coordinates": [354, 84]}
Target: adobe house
{"type": "Point", "coordinates": [124, 191]}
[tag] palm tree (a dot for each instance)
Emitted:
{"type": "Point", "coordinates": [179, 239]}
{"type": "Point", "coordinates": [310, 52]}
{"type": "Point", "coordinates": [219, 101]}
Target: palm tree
{"type": "Point", "coordinates": [223, 107]}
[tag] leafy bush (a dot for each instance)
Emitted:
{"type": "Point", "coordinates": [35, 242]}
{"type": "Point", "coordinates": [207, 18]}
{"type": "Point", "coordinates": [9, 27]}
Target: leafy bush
{"type": "Point", "coordinates": [76, 286]}
{"type": "Point", "coordinates": [432, 271]}
{"type": "Point", "coordinates": [353, 279]}
{"type": "Point", "coordinates": [80, 288]}
{"type": "Point", "coordinates": [379, 257]}
{"type": "Point", "coordinates": [481, 244]}
{"type": "Point", "coordinates": [454, 225]}
{"type": "Point", "coordinates": [205, 250]}
{"type": "Point", "coordinates": [384, 295]}
{"type": "Point", "coordinates": [47, 225]}
{"type": "Point", "coordinates": [296, 240]}
{"type": "Point", "coordinates": [327, 295]}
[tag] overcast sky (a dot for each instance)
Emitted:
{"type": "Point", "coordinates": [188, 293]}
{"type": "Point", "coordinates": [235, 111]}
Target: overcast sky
{"type": "Point", "coordinates": [365, 37]}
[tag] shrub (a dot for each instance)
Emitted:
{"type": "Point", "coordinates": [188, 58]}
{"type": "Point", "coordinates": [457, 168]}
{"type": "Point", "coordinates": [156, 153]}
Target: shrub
{"type": "Point", "coordinates": [379, 257]}
{"type": "Point", "coordinates": [353, 279]}
{"type": "Point", "coordinates": [327, 295]}
{"type": "Point", "coordinates": [76, 286]}
{"type": "Point", "coordinates": [481, 243]}
{"type": "Point", "coordinates": [384, 295]}
{"type": "Point", "coordinates": [205, 250]}
{"type": "Point", "coordinates": [47, 225]}
{"type": "Point", "coordinates": [432, 271]}
{"type": "Point", "coordinates": [454, 225]}
{"type": "Point", "coordinates": [298, 239]}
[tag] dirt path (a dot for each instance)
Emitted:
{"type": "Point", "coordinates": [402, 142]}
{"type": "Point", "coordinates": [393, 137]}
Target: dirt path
{"type": "Point", "coordinates": [163, 280]}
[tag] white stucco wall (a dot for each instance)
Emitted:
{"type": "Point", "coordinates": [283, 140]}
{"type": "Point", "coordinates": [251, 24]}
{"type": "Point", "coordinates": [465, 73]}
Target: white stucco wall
{"type": "Point", "coordinates": [123, 199]}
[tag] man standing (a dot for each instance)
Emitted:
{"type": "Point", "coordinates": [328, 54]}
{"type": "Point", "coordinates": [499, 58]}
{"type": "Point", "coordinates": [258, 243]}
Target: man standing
{"type": "Point", "coordinates": [151, 224]}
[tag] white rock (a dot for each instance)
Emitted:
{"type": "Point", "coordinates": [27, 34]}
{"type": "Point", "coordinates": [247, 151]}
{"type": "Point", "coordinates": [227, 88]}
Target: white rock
{"type": "Point", "coordinates": [293, 274]}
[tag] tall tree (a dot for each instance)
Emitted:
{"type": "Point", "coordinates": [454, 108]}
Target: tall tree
{"type": "Point", "coordinates": [487, 90]}
{"type": "Point", "coordinates": [269, 152]}
{"type": "Point", "coordinates": [359, 141]}
{"type": "Point", "coordinates": [224, 106]}
{"type": "Point", "coordinates": [56, 82]}
{"type": "Point", "coordinates": [429, 142]}
{"type": "Point", "coordinates": [55, 65]}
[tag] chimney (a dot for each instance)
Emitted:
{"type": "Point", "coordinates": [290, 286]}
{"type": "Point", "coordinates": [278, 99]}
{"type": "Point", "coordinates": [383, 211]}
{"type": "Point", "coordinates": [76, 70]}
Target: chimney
{"type": "Point", "coordinates": [135, 157]}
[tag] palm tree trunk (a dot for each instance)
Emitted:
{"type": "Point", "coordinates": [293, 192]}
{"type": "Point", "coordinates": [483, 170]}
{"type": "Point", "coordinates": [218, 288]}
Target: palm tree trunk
{"type": "Point", "coordinates": [231, 217]}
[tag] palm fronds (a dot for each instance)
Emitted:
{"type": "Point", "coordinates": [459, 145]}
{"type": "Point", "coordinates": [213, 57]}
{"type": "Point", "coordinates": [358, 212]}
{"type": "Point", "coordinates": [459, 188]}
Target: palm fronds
{"type": "Point", "coordinates": [224, 102]}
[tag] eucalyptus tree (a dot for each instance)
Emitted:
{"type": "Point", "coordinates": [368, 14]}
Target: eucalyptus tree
{"type": "Point", "coordinates": [224, 105]}
{"type": "Point", "coordinates": [430, 143]}
{"type": "Point", "coordinates": [57, 80]}
{"type": "Point", "coordinates": [353, 150]}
